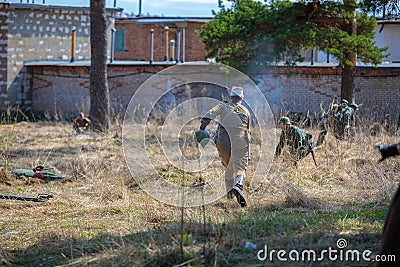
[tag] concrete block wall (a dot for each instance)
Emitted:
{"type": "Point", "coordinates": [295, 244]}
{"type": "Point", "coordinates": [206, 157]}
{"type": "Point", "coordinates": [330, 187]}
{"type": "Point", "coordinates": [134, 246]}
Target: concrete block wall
{"type": "Point", "coordinates": [42, 35]}
{"type": "Point", "coordinates": [3, 55]}
{"type": "Point", "coordinates": [39, 32]}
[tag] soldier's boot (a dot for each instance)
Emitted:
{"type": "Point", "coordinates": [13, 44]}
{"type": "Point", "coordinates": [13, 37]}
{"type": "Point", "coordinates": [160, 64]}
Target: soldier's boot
{"type": "Point", "coordinates": [238, 190]}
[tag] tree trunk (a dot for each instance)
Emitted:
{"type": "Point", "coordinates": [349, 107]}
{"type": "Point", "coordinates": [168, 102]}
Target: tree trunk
{"type": "Point", "coordinates": [348, 77]}
{"type": "Point", "coordinates": [349, 67]}
{"type": "Point", "coordinates": [99, 93]}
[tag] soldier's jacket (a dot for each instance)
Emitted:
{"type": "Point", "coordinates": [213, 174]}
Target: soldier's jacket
{"type": "Point", "coordinates": [234, 118]}
{"type": "Point", "coordinates": [347, 116]}
{"type": "Point", "coordinates": [337, 112]}
{"type": "Point", "coordinates": [296, 141]}
{"type": "Point", "coordinates": [44, 174]}
{"type": "Point", "coordinates": [81, 122]}
{"type": "Point", "coordinates": [233, 137]}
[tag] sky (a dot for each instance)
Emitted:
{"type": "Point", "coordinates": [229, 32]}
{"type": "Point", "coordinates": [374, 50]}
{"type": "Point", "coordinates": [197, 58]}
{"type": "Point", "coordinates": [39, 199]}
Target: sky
{"type": "Point", "coordinates": [183, 8]}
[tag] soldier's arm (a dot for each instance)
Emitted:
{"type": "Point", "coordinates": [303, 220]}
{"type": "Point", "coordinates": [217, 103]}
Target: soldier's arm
{"type": "Point", "coordinates": [248, 126]}
{"type": "Point", "coordinates": [280, 145]}
{"type": "Point", "coordinates": [211, 114]}
{"type": "Point", "coordinates": [204, 122]}
{"type": "Point", "coordinates": [298, 141]}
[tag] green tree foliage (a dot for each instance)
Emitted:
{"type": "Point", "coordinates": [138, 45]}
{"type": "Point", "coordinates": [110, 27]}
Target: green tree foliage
{"type": "Point", "coordinates": [251, 33]}
{"type": "Point", "coordinates": [234, 33]}
{"type": "Point", "coordinates": [334, 39]}
{"type": "Point", "coordinates": [383, 8]}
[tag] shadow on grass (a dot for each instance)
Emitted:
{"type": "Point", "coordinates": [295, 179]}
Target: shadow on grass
{"type": "Point", "coordinates": [54, 152]}
{"type": "Point", "coordinates": [269, 228]}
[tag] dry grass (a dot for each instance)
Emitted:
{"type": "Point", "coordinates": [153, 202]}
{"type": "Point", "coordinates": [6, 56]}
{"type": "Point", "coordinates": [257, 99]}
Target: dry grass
{"type": "Point", "coordinates": [100, 217]}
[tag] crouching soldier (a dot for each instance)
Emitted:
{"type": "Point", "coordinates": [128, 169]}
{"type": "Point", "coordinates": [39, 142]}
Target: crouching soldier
{"type": "Point", "coordinates": [232, 141]}
{"type": "Point", "coordinates": [346, 121]}
{"type": "Point", "coordinates": [299, 143]}
{"type": "Point", "coordinates": [81, 123]}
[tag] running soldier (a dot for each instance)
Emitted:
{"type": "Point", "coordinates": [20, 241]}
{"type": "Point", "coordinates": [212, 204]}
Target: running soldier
{"type": "Point", "coordinates": [232, 141]}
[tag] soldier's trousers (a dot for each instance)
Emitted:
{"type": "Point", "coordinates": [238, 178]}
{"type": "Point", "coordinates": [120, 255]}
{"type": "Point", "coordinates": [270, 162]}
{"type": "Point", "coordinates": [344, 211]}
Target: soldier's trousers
{"type": "Point", "coordinates": [235, 159]}
{"type": "Point", "coordinates": [322, 134]}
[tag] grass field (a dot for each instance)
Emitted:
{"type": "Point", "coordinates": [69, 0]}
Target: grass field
{"type": "Point", "coordinates": [99, 216]}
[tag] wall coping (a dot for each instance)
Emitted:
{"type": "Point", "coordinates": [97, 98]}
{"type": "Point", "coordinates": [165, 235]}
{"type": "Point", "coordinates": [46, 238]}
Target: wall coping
{"type": "Point", "coordinates": [386, 70]}
{"type": "Point", "coordinates": [360, 66]}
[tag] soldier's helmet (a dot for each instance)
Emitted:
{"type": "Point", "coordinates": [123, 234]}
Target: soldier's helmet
{"type": "Point", "coordinates": [237, 91]}
{"type": "Point", "coordinates": [284, 120]}
{"type": "Point", "coordinates": [344, 103]}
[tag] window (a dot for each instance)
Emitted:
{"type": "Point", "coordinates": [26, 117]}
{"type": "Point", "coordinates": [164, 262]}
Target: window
{"type": "Point", "coordinates": [119, 41]}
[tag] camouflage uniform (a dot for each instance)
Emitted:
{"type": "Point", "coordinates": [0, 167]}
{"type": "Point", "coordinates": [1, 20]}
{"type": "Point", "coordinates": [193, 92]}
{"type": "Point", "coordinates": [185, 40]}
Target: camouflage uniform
{"type": "Point", "coordinates": [38, 172]}
{"type": "Point", "coordinates": [296, 141]}
{"type": "Point", "coordinates": [324, 127]}
{"type": "Point", "coordinates": [332, 121]}
{"type": "Point", "coordinates": [81, 123]}
{"type": "Point", "coordinates": [346, 120]}
{"type": "Point", "coordinates": [232, 140]}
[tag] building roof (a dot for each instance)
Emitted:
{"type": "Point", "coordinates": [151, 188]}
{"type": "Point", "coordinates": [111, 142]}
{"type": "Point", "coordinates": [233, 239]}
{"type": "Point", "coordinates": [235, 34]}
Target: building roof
{"type": "Point", "coordinates": [388, 21]}
{"type": "Point", "coordinates": [161, 20]}
{"type": "Point", "coordinates": [56, 7]}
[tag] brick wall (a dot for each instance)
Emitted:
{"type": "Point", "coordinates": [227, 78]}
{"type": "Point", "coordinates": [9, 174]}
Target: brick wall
{"type": "Point", "coordinates": [305, 89]}
{"type": "Point", "coordinates": [65, 90]}
{"type": "Point", "coordinates": [195, 48]}
{"type": "Point", "coordinates": [137, 40]}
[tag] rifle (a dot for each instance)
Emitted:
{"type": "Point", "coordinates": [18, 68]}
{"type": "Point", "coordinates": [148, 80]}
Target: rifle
{"type": "Point", "coordinates": [39, 198]}
{"type": "Point", "coordinates": [249, 151]}
{"type": "Point", "coordinates": [311, 147]}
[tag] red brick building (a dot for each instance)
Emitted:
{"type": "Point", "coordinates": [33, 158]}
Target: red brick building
{"type": "Point", "coordinates": [172, 39]}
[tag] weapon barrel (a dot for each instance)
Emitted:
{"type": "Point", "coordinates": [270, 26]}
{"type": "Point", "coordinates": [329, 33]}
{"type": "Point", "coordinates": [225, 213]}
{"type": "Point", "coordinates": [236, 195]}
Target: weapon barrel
{"type": "Point", "coordinates": [39, 198]}
{"type": "Point", "coordinates": [313, 157]}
